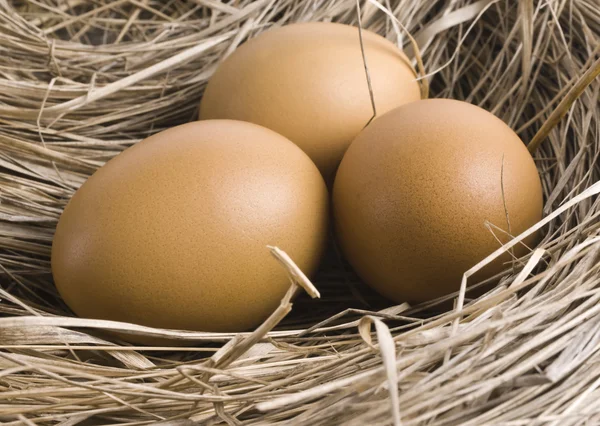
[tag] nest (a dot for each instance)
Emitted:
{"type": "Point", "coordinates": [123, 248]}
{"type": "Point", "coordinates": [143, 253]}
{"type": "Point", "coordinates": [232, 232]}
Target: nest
{"type": "Point", "coordinates": [82, 80]}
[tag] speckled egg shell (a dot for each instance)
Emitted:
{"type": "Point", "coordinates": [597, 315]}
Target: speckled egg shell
{"type": "Point", "coordinates": [416, 188]}
{"type": "Point", "coordinates": [172, 233]}
{"type": "Point", "coordinates": [307, 82]}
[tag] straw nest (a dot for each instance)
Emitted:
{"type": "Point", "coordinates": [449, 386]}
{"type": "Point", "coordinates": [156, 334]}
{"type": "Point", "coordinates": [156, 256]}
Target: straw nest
{"type": "Point", "coordinates": [82, 80]}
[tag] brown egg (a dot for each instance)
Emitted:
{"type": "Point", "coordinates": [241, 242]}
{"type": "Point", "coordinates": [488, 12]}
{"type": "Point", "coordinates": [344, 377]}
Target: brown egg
{"type": "Point", "coordinates": [172, 233]}
{"type": "Point", "coordinates": [307, 82]}
{"type": "Point", "coordinates": [416, 188]}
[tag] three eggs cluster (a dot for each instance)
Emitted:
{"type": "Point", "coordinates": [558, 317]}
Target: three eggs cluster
{"type": "Point", "coordinates": [172, 232]}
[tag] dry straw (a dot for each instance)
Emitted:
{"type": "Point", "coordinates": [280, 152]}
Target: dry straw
{"type": "Point", "coordinates": [82, 80]}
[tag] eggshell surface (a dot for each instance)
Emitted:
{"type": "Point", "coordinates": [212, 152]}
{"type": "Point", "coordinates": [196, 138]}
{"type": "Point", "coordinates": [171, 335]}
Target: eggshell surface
{"type": "Point", "coordinates": [416, 188]}
{"type": "Point", "coordinates": [307, 82]}
{"type": "Point", "coordinates": [172, 232]}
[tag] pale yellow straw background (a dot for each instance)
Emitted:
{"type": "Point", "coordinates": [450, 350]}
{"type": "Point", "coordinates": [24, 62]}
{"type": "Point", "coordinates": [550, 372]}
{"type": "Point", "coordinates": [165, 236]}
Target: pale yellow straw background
{"type": "Point", "coordinates": [81, 80]}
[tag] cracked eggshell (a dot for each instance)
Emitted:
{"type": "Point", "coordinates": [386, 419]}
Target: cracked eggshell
{"type": "Point", "coordinates": [172, 232]}
{"type": "Point", "coordinates": [415, 192]}
{"type": "Point", "coordinates": [307, 82]}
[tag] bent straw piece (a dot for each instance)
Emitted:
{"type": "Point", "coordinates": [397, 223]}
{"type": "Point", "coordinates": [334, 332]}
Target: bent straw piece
{"type": "Point", "coordinates": [295, 273]}
{"type": "Point", "coordinates": [239, 345]}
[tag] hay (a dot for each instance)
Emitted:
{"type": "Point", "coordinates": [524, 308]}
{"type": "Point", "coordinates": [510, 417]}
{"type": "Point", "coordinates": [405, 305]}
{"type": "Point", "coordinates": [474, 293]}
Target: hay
{"type": "Point", "coordinates": [80, 81]}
